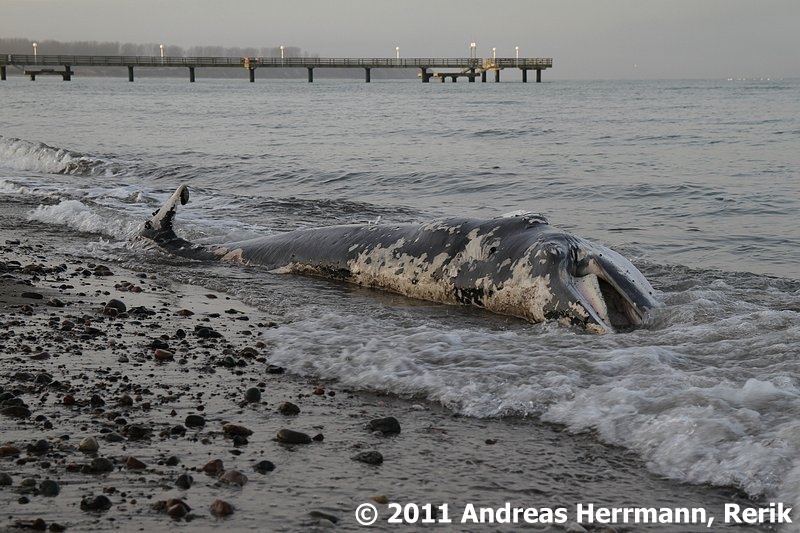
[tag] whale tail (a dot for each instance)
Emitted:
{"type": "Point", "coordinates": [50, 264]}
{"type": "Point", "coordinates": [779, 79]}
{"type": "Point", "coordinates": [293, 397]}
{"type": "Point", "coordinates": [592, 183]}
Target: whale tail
{"type": "Point", "coordinates": [159, 229]}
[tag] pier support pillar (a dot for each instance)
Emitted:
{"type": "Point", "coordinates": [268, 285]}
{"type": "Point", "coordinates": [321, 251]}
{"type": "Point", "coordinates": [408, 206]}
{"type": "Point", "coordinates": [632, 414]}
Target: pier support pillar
{"type": "Point", "coordinates": [310, 74]}
{"type": "Point", "coordinates": [472, 75]}
{"type": "Point", "coordinates": [130, 73]}
{"type": "Point", "coordinates": [252, 75]}
{"type": "Point", "coordinates": [3, 73]}
{"type": "Point", "coordinates": [524, 75]}
{"type": "Point", "coordinates": [497, 76]}
{"type": "Point", "coordinates": [426, 78]}
{"type": "Point", "coordinates": [483, 76]}
{"type": "Point", "coordinates": [191, 74]}
{"type": "Point", "coordinates": [538, 75]}
{"type": "Point", "coordinates": [67, 75]}
{"type": "Point", "coordinates": [366, 74]}
{"type": "Point", "coordinates": [32, 76]}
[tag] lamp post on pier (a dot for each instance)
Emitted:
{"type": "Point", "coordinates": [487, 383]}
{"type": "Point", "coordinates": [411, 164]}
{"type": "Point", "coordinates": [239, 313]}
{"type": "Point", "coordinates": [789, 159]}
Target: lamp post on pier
{"type": "Point", "coordinates": [282, 49]}
{"type": "Point", "coordinates": [34, 51]}
{"type": "Point", "coordinates": [472, 50]}
{"type": "Point", "coordinates": [397, 52]}
{"type": "Point", "coordinates": [161, 47]}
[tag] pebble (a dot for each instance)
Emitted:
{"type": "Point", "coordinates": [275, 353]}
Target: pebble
{"type": "Point", "coordinates": [252, 395]}
{"type": "Point", "coordinates": [380, 498]}
{"type": "Point", "coordinates": [6, 480]}
{"type": "Point", "coordinates": [194, 421]}
{"type": "Point", "coordinates": [319, 515]}
{"type": "Point", "coordinates": [88, 445]}
{"type": "Point", "coordinates": [234, 430]}
{"type": "Point", "coordinates": [370, 458]}
{"type": "Point", "coordinates": [221, 508]}
{"type": "Point", "coordinates": [116, 304]}
{"type": "Point", "coordinates": [233, 477]}
{"type": "Point", "coordinates": [214, 467]}
{"type": "Point", "coordinates": [95, 503]}
{"type": "Point", "coordinates": [100, 465]}
{"type": "Point", "coordinates": [161, 354]}
{"type": "Point", "coordinates": [176, 508]}
{"type": "Point", "coordinates": [16, 411]}
{"type": "Point", "coordinates": [48, 487]}
{"type": "Point", "coordinates": [184, 481]}
{"type": "Point", "coordinates": [290, 436]}
{"type": "Point", "coordinates": [137, 432]}
{"type": "Point", "coordinates": [9, 450]}
{"type": "Point", "coordinates": [387, 426]}
{"type": "Point", "coordinates": [132, 463]}
{"type": "Point", "coordinates": [288, 409]}
{"type": "Point", "coordinates": [39, 447]}
{"type": "Point", "coordinates": [32, 295]}
{"type": "Point", "coordinates": [262, 467]}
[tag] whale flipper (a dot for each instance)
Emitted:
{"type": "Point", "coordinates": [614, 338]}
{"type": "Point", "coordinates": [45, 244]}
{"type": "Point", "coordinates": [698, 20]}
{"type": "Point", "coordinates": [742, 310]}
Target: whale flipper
{"type": "Point", "coordinates": [159, 229]}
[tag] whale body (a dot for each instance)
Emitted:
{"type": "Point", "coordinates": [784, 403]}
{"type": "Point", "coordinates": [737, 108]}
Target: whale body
{"type": "Point", "coordinates": [516, 265]}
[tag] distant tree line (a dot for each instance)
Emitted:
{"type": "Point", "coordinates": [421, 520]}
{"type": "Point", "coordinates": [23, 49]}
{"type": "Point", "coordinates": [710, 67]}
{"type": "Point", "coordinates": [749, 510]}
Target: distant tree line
{"type": "Point", "coordinates": [53, 47]}
{"type": "Point", "coordinates": [96, 48]}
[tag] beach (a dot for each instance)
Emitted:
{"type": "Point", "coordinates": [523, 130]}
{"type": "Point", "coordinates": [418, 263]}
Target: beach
{"type": "Point", "coordinates": [148, 402]}
{"type": "Point", "coordinates": [125, 369]}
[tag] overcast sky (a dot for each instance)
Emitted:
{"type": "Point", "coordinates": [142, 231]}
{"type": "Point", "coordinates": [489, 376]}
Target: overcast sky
{"type": "Point", "coordinates": [585, 38]}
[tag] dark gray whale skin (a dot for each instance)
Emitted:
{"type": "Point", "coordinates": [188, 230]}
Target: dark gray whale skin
{"type": "Point", "coordinates": [515, 265]}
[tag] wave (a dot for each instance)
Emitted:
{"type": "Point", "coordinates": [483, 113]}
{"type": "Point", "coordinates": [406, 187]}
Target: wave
{"type": "Point", "coordinates": [85, 218]}
{"type": "Point", "coordinates": [22, 155]}
{"type": "Point", "coordinates": [708, 395]}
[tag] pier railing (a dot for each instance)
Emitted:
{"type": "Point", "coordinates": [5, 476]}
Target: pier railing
{"type": "Point", "coordinates": [30, 64]}
{"type": "Point", "coordinates": [254, 62]}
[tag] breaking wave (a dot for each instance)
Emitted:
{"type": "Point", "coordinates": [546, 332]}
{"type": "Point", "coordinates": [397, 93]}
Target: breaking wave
{"type": "Point", "coordinates": [22, 155]}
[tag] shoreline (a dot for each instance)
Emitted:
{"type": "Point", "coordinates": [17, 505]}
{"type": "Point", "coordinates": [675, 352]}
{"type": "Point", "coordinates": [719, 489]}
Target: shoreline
{"type": "Point", "coordinates": [91, 375]}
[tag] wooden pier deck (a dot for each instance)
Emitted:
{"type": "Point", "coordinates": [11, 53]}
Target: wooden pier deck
{"type": "Point", "coordinates": [466, 67]}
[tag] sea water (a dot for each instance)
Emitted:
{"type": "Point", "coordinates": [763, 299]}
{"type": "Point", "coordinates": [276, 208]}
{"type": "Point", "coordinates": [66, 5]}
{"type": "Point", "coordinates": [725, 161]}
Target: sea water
{"type": "Point", "coordinates": [697, 182]}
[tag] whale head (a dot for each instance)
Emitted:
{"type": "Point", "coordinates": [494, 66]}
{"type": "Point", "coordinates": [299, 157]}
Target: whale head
{"type": "Point", "coordinates": [593, 286]}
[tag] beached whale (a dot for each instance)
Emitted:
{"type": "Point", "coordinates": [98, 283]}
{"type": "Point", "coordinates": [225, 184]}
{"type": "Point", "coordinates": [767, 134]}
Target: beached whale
{"type": "Point", "coordinates": [516, 265]}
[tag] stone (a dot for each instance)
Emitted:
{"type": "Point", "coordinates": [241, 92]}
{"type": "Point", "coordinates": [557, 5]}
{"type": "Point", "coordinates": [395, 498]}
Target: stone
{"type": "Point", "coordinates": [387, 426]}
{"type": "Point", "coordinates": [370, 457]}
{"type": "Point", "coordinates": [101, 465]}
{"type": "Point", "coordinates": [233, 477]}
{"type": "Point", "coordinates": [16, 411]}
{"type": "Point", "coordinates": [132, 463]}
{"type": "Point", "coordinates": [95, 503]}
{"type": "Point", "coordinates": [288, 409]}
{"type": "Point", "coordinates": [262, 467]}
{"type": "Point", "coordinates": [221, 508]}
{"type": "Point", "coordinates": [252, 395]}
{"type": "Point", "coordinates": [290, 436]}
{"type": "Point", "coordinates": [48, 487]}
{"type": "Point", "coordinates": [194, 421]}
{"type": "Point", "coordinates": [117, 304]}
{"type": "Point", "coordinates": [234, 430]}
{"type": "Point", "coordinates": [184, 481]}
{"type": "Point", "coordinates": [214, 467]}
{"type": "Point", "coordinates": [160, 354]}
{"type": "Point", "coordinates": [88, 445]}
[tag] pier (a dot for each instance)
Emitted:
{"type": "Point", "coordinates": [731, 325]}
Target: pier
{"type": "Point", "coordinates": [470, 68]}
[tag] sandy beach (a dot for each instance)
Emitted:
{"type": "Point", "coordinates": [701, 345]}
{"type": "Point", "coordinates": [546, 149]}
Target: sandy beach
{"type": "Point", "coordinates": [131, 403]}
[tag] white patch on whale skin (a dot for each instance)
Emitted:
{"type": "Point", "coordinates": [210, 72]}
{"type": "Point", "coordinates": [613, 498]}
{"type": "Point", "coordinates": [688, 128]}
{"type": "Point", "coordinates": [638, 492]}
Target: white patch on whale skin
{"type": "Point", "coordinates": [232, 256]}
{"type": "Point", "coordinates": [522, 295]}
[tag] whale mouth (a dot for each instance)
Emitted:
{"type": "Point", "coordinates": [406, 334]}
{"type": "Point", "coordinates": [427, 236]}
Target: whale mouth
{"type": "Point", "coordinates": [621, 314]}
{"type": "Point", "coordinates": [606, 305]}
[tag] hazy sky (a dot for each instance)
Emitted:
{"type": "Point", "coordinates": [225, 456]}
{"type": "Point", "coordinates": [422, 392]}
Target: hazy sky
{"type": "Point", "coordinates": [586, 38]}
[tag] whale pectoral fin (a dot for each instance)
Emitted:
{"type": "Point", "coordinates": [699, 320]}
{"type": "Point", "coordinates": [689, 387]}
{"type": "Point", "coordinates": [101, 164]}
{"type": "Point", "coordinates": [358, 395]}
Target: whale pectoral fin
{"type": "Point", "coordinates": [159, 227]}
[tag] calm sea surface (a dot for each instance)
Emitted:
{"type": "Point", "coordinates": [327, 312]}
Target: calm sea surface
{"type": "Point", "coordinates": [698, 182]}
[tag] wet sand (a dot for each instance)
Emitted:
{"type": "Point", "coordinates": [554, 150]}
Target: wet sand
{"type": "Point", "coordinates": [146, 401]}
